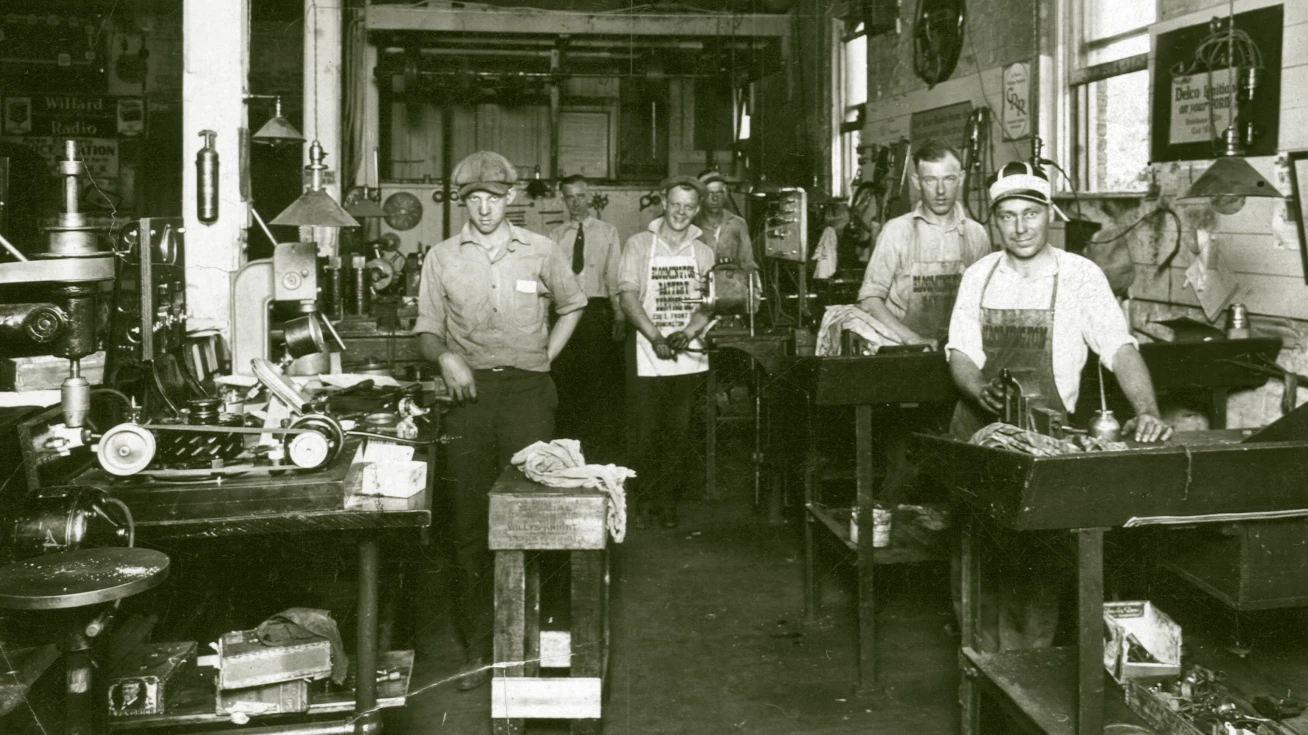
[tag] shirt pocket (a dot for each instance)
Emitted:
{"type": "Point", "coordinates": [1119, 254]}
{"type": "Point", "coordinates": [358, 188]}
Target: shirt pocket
{"type": "Point", "coordinates": [530, 294]}
{"type": "Point", "coordinates": [467, 292]}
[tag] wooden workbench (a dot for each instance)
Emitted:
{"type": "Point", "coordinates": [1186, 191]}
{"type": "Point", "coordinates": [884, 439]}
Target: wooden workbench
{"type": "Point", "coordinates": [866, 383]}
{"type": "Point", "coordinates": [1086, 494]}
{"type": "Point", "coordinates": [327, 500]}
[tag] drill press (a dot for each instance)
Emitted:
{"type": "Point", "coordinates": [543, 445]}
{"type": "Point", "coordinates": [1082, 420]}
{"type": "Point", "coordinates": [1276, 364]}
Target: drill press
{"type": "Point", "coordinates": [49, 305]}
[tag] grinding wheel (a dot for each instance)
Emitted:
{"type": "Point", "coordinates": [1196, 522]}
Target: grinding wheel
{"type": "Point", "coordinates": [79, 578]}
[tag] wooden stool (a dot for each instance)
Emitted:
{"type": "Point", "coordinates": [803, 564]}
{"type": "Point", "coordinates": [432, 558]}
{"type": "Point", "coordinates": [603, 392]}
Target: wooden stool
{"type": "Point", "coordinates": [527, 516]}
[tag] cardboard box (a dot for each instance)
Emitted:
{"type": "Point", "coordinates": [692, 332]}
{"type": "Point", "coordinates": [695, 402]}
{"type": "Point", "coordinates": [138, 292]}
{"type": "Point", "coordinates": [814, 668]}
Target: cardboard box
{"type": "Point", "coordinates": [273, 699]}
{"type": "Point", "coordinates": [244, 661]}
{"type": "Point", "coordinates": [1140, 641]}
{"type": "Point", "coordinates": [144, 681]}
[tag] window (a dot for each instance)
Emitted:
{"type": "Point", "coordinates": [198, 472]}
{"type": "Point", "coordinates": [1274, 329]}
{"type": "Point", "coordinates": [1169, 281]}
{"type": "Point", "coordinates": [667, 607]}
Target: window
{"type": "Point", "coordinates": [1109, 92]}
{"type": "Point", "coordinates": [851, 87]}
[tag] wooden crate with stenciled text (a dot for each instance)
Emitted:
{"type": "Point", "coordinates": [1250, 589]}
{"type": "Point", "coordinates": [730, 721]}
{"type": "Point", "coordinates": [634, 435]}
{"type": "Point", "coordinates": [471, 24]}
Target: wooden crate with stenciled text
{"type": "Point", "coordinates": [525, 515]}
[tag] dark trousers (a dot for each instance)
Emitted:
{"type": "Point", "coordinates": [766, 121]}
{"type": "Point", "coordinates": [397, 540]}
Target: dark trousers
{"type": "Point", "coordinates": [588, 374]}
{"type": "Point", "coordinates": [658, 439]}
{"type": "Point", "coordinates": [514, 408]}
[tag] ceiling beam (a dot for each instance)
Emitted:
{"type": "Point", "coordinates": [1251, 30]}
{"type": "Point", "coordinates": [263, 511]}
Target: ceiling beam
{"type": "Point", "coordinates": [441, 19]}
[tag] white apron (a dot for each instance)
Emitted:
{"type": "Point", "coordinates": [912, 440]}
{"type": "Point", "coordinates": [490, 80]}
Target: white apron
{"type": "Point", "coordinates": [671, 280]}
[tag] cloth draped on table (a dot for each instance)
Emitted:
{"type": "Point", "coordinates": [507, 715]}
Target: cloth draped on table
{"type": "Point", "coordinates": [297, 624]}
{"type": "Point", "coordinates": [1006, 436]}
{"type": "Point", "coordinates": [825, 255]}
{"type": "Point", "coordinates": [560, 463]}
{"type": "Point", "coordinates": [839, 319]}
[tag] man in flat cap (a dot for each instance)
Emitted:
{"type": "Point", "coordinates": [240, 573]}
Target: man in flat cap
{"type": "Point", "coordinates": [483, 319]}
{"type": "Point", "coordinates": [661, 271]}
{"type": "Point", "coordinates": [725, 232]}
{"type": "Point", "coordinates": [1035, 311]}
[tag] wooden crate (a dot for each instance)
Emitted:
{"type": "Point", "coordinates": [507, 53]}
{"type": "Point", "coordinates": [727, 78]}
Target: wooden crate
{"type": "Point", "coordinates": [525, 516]}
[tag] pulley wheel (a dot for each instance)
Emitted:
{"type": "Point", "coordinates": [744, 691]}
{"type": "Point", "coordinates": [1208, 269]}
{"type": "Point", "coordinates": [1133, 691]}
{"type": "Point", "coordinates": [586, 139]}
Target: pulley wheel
{"type": "Point", "coordinates": [126, 449]}
{"type": "Point", "coordinates": [318, 448]}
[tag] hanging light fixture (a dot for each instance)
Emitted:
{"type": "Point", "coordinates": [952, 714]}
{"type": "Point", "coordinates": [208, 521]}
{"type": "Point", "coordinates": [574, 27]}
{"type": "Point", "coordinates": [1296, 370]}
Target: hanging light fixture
{"type": "Point", "coordinates": [361, 202]}
{"type": "Point", "coordinates": [315, 207]}
{"type": "Point", "coordinates": [278, 130]}
{"type": "Point", "coordinates": [1231, 178]}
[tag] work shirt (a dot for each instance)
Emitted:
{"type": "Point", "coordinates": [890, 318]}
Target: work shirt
{"type": "Point", "coordinates": [599, 274]}
{"type": "Point", "coordinates": [889, 275]}
{"type": "Point", "coordinates": [490, 304]}
{"type": "Point", "coordinates": [730, 240]}
{"type": "Point", "coordinates": [633, 274]}
{"type": "Point", "coordinates": [1086, 314]}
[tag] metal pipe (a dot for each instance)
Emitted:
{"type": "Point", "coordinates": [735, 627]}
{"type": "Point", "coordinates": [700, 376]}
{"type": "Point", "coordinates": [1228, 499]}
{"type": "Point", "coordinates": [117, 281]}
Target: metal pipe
{"type": "Point", "coordinates": [263, 227]}
{"type": "Point", "coordinates": [10, 247]}
{"type": "Point", "coordinates": [367, 717]}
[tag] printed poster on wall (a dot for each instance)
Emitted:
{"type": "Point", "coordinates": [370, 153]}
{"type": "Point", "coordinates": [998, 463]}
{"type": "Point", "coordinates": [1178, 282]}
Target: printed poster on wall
{"type": "Point", "coordinates": [1201, 107]}
{"type": "Point", "coordinates": [1017, 101]}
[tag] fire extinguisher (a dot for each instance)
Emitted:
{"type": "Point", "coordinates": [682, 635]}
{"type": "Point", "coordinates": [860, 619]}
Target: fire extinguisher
{"type": "Point", "coordinates": [206, 180]}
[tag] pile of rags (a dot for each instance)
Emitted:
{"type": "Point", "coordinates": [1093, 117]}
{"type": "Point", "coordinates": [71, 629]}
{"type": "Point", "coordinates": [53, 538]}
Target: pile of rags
{"type": "Point", "coordinates": [560, 464]}
{"type": "Point", "coordinates": [1006, 436]}
{"type": "Point", "coordinates": [837, 319]}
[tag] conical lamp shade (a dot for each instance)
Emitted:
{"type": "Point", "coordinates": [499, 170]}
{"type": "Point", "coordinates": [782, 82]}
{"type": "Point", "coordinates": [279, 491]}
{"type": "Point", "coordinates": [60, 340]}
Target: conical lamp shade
{"type": "Point", "coordinates": [276, 131]}
{"type": "Point", "coordinates": [315, 208]}
{"type": "Point", "coordinates": [1231, 176]}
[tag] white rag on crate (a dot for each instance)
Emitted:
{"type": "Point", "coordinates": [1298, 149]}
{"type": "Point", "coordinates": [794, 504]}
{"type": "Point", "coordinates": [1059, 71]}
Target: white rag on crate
{"type": "Point", "coordinates": [837, 319]}
{"type": "Point", "coordinates": [560, 464]}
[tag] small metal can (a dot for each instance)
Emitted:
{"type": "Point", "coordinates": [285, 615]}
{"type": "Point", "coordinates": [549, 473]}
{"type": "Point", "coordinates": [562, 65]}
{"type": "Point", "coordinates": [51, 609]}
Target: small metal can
{"type": "Point", "coordinates": [1103, 425]}
{"type": "Point", "coordinates": [1237, 322]}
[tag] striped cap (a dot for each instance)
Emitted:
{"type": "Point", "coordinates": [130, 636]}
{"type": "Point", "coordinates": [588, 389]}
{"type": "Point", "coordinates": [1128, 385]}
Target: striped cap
{"type": "Point", "coordinates": [1021, 180]}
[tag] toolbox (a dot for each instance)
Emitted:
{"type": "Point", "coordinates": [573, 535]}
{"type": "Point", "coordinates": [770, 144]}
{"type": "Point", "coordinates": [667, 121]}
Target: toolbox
{"type": "Point", "coordinates": [282, 698]}
{"type": "Point", "coordinates": [143, 683]}
{"type": "Point", "coordinates": [244, 661]}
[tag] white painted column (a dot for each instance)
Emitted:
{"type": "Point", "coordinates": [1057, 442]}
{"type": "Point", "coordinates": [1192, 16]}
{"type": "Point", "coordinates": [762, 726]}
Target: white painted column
{"type": "Point", "coordinates": [323, 51]}
{"type": "Point", "coordinates": [216, 60]}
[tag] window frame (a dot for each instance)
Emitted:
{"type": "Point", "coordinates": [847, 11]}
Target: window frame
{"type": "Point", "coordinates": [1080, 78]}
{"type": "Point", "coordinates": [848, 118]}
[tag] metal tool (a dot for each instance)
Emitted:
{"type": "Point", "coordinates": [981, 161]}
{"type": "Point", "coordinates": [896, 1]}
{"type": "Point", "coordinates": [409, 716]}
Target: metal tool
{"type": "Point", "coordinates": [1103, 425]}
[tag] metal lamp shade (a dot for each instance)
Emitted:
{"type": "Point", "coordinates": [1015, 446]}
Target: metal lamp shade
{"type": "Point", "coordinates": [1231, 176]}
{"type": "Point", "coordinates": [315, 208]}
{"type": "Point", "coordinates": [278, 130]}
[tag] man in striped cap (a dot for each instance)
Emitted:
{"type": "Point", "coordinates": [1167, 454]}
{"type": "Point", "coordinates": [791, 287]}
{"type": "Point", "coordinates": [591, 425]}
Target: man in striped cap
{"type": "Point", "coordinates": [1035, 310]}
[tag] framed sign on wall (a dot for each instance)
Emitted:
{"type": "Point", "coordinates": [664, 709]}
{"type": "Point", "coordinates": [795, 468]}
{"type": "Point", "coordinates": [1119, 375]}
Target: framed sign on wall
{"type": "Point", "coordinates": [1195, 91]}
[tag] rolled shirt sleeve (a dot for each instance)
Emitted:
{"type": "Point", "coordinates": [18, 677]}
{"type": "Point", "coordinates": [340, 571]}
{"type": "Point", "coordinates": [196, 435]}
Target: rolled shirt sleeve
{"type": "Point", "coordinates": [965, 323]}
{"type": "Point", "coordinates": [1104, 325]}
{"type": "Point", "coordinates": [431, 299]}
{"type": "Point", "coordinates": [886, 262]}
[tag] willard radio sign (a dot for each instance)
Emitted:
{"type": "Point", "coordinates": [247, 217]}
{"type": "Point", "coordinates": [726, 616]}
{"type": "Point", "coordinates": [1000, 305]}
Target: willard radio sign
{"type": "Point", "coordinates": [74, 116]}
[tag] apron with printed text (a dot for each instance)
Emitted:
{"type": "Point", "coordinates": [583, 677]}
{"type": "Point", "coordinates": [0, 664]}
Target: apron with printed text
{"type": "Point", "coordinates": [1021, 340]}
{"type": "Point", "coordinates": [935, 288]}
{"type": "Point", "coordinates": [671, 281]}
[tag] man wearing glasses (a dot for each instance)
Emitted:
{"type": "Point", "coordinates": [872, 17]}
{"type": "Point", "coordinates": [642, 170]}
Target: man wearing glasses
{"type": "Point", "coordinates": [919, 258]}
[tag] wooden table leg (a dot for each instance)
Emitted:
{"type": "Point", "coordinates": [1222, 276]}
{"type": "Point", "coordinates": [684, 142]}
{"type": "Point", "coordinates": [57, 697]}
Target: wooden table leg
{"type": "Point", "coordinates": [969, 693]}
{"type": "Point", "coordinates": [367, 716]}
{"type": "Point", "coordinates": [587, 625]}
{"type": "Point", "coordinates": [1090, 631]}
{"type": "Point", "coordinates": [710, 436]}
{"type": "Point", "coordinates": [867, 613]}
{"type": "Point", "coordinates": [510, 630]}
{"type": "Point", "coordinates": [1219, 396]}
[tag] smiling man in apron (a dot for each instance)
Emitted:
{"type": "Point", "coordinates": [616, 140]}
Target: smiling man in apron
{"type": "Point", "coordinates": [1036, 311]}
{"type": "Point", "coordinates": [661, 271]}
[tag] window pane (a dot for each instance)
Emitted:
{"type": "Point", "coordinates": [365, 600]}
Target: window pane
{"type": "Point", "coordinates": [1104, 18]}
{"type": "Point", "coordinates": [855, 71]}
{"type": "Point", "coordinates": [1125, 48]}
{"type": "Point", "coordinates": [1115, 138]}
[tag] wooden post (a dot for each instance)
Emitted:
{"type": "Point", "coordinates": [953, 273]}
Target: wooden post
{"type": "Point", "coordinates": [510, 626]}
{"type": "Point", "coordinates": [867, 609]}
{"type": "Point", "coordinates": [216, 61]}
{"type": "Point", "coordinates": [1090, 631]}
{"type": "Point", "coordinates": [587, 611]}
{"type": "Point", "coordinates": [322, 104]}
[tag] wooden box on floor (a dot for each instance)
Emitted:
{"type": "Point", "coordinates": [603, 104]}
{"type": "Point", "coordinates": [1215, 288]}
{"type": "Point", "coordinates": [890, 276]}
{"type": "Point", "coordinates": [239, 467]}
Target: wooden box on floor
{"type": "Point", "coordinates": [529, 517]}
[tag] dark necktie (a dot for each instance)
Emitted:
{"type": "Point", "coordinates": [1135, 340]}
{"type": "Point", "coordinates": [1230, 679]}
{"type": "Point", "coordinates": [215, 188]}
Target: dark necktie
{"type": "Point", "coordinates": [579, 249]}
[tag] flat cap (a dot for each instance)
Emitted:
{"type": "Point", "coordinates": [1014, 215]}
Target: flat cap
{"type": "Point", "coordinates": [689, 182]}
{"type": "Point", "coordinates": [708, 177]}
{"type": "Point", "coordinates": [485, 171]}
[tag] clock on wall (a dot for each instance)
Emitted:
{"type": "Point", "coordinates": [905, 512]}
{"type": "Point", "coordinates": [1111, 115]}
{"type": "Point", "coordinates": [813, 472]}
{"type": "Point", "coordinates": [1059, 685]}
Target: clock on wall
{"type": "Point", "coordinates": [938, 39]}
{"type": "Point", "coordinates": [403, 211]}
